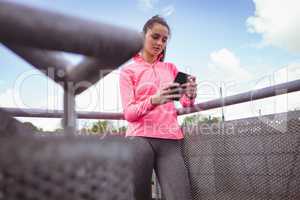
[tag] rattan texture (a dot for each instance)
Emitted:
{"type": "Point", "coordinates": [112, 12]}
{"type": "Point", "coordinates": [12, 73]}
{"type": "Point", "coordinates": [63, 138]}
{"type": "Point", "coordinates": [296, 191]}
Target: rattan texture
{"type": "Point", "coordinates": [76, 168]}
{"type": "Point", "coordinates": [249, 159]}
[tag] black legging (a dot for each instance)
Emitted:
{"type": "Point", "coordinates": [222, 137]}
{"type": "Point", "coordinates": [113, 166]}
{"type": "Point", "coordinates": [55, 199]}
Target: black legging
{"type": "Point", "coordinates": [165, 156]}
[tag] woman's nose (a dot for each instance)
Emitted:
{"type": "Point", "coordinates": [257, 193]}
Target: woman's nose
{"type": "Point", "coordinates": [160, 42]}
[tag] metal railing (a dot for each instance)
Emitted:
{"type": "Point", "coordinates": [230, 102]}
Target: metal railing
{"type": "Point", "coordinates": [36, 35]}
{"type": "Point", "coordinates": [44, 33]}
{"type": "Point", "coordinates": [270, 91]}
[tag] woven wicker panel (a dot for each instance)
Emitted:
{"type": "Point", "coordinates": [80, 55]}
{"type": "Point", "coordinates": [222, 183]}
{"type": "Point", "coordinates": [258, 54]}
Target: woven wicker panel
{"type": "Point", "coordinates": [65, 168]}
{"type": "Point", "coordinates": [254, 158]}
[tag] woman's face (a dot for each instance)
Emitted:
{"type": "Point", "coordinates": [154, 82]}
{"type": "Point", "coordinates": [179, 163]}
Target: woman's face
{"type": "Point", "coordinates": [156, 39]}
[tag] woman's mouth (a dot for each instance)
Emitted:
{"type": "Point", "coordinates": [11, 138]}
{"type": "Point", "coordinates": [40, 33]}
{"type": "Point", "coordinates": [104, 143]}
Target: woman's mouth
{"type": "Point", "coordinates": [156, 49]}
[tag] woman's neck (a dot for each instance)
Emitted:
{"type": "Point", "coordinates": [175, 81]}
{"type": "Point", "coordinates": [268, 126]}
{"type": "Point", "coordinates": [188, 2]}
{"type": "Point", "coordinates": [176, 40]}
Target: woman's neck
{"type": "Point", "coordinates": [148, 57]}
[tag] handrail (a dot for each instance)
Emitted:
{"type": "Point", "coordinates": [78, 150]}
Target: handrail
{"type": "Point", "coordinates": [44, 29]}
{"type": "Point", "coordinates": [45, 33]}
{"type": "Point", "coordinates": [270, 91]}
{"type": "Point", "coordinates": [36, 35]}
{"type": "Point", "coordinates": [26, 112]}
{"type": "Point", "coordinates": [279, 89]}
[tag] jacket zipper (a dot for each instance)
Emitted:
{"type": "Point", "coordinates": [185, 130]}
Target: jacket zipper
{"type": "Point", "coordinates": [157, 77]}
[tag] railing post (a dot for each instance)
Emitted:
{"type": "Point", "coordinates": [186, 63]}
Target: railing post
{"type": "Point", "coordinates": [70, 116]}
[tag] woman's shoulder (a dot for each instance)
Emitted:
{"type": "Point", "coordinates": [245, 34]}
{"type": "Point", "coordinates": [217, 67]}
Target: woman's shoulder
{"type": "Point", "coordinates": [170, 64]}
{"type": "Point", "coordinates": [128, 67]}
{"type": "Point", "coordinates": [171, 67]}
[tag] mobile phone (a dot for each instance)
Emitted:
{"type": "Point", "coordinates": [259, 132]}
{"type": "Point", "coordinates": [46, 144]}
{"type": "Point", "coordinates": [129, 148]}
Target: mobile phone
{"type": "Point", "coordinates": [181, 78]}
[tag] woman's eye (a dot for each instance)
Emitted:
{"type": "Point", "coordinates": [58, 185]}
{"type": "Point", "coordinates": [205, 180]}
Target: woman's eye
{"type": "Point", "coordinates": [155, 37]}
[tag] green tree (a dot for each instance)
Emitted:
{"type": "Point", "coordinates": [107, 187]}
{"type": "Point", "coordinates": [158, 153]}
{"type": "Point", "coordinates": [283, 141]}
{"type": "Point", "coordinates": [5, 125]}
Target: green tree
{"type": "Point", "coordinates": [122, 129]}
{"type": "Point", "coordinates": [33, 127]}
{"type": "Point", "coordinates": [192, 119]}
{"type": "Point", "coordinates": [197, 118]}
{"type": "Point", "coordinates": [100, 127]}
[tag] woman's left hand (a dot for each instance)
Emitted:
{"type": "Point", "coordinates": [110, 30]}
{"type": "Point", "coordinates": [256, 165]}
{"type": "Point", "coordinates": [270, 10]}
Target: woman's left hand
{"type": "Point", "coordinates": [190, 87]}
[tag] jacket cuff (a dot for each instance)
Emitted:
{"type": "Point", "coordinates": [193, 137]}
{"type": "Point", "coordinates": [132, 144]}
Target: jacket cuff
{"type": "Point", "coordinates": [186, 101]}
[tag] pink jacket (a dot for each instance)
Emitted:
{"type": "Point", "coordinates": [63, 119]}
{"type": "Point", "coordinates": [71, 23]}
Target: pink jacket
{"type": "Point", "coordinates": [138, 81]}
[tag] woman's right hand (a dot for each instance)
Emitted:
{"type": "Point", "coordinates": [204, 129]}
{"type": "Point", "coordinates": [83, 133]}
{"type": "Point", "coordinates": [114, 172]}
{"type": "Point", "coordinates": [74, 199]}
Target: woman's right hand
{"type": "Point", "coordinates": [166, 94]}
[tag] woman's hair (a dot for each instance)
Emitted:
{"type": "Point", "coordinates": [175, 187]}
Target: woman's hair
{"type": "Point", "coordinates": [149, 24]}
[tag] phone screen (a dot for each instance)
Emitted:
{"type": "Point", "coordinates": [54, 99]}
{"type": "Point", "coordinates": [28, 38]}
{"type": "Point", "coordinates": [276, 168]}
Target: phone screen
{"type": "Point", "coordinates": [181, 78]}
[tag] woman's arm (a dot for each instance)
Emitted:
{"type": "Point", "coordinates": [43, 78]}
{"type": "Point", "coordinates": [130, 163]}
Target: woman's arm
{"type": "Point", "coordinates": [133, 110]}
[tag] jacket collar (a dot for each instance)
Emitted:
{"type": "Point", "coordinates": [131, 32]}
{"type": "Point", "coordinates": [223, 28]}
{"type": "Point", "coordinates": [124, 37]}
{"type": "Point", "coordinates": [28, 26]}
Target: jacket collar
{"type": "Point", "coordinates": [138, 58]}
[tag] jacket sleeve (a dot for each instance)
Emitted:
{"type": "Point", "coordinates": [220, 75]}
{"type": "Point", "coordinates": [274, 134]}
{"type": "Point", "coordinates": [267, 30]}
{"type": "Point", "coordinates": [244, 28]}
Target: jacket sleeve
{"type": "Point", "coordinates": [132, 109]}
{"type": "Point", "coordinates": [184, 100]}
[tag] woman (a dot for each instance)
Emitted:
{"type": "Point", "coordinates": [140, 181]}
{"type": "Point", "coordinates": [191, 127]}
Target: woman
{"type": "Point", "coordinates": [147, 93]}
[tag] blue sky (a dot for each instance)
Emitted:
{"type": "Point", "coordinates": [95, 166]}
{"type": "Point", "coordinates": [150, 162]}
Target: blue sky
{"type": "Point", "coordinates": [241, 44]}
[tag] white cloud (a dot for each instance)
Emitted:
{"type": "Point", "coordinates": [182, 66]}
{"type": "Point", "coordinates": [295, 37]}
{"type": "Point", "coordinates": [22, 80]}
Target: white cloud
{"type": "Point", "coordinates": [152, 5]}
{"type": "Point", "coordinates": [168, 10]}
{"type": "Point", "coordinates": [277, 104]}
{"type": "Point", "coordinates": [47, 124]}
{"type": "Point", "coordinates": [110, 92]}
{"type": "Point", "coordinates": [209, 90]}
{"type": "Point", "coordinates": [47, 94]}
{"type": "Point", "coordinates": [6, 98]}
{"type": "Point", "coordinates": [278, 23]}
{"type": "Point", "coordinates": [103, 96]}
{"type": "Point", "coordinates": [146, 4]}
{"type": "Point", "coordinates": [287, 73]}
{"type": "Point", "coordinates": [225, 66]}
